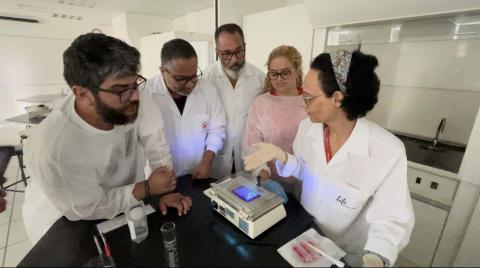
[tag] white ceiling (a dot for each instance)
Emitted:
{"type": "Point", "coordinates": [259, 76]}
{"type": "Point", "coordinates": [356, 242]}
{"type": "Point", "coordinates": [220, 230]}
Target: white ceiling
{"type": "Point", "coordinates": [98, 11]}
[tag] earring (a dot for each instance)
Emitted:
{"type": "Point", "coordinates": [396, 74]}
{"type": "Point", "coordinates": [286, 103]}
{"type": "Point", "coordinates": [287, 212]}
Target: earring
{"type": "Point", "coordinates": [299, 82]}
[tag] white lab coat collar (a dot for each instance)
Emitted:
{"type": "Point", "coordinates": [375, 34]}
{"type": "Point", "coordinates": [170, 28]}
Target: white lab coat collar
{"type": "Point", "coordinates": [160, 88]}
{"type": "Point", "coordinates": [357, 144]}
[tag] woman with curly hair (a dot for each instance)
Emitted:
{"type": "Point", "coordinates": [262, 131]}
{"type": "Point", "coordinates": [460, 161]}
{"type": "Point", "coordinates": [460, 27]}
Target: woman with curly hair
{"type": "Point", "coordinates": [354, 172]}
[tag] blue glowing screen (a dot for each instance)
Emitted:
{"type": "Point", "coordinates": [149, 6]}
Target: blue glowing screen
{"type": "Point", "coordinates": [245, 193]}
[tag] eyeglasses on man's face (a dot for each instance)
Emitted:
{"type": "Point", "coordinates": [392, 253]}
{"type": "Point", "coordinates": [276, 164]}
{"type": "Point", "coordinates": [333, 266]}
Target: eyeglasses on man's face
{"type": "Point", "coordinates": [284, 74]}
{"type": "Point", "coordinates": [125, 94]}
{"type": "Point", "coordinates": [183, 80]}
{"type": "Point", "coordinates": [227, 55]}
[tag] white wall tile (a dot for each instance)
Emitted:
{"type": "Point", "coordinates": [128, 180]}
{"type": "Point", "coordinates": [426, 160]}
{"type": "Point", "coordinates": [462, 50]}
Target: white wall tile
{"type": "Point", "coordinates": [17, 210]}
{"type": "Point", "coordinates": [381, 112]}
{"type": "Point", "coordinates": [2, 253]}
{"type": "Point", "coordinates": [447, 64]}
{"type": "Point", "coordinates": [418, 111]}
{"type": "Point", "coordinates": [10, 198]}
{"type": "Point", "coordinates": [423, 82]}
{"type": "Point", "coordinates": [3, 235]}
{"type": "Point", "coordinates": [19, 198]}
{"type": "Point", "coordinates": [15, 253]}
{"type": "Point", "coordinates": [5, 216]}
{"type": "Point", "coordinates": [17, 232]}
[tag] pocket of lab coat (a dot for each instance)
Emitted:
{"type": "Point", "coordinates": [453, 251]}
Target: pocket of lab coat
{"type": "Point", "coordinates": [340, 203]}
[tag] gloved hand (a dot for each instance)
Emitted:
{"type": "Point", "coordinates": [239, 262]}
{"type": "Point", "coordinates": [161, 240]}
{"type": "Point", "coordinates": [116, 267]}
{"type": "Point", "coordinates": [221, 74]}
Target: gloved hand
{"type": "Point", "coordinates": [264, 153]}
{"type": "Point", "coordinates": [372, 260]}
{"type": "Point", "coordinates": [276, 188]}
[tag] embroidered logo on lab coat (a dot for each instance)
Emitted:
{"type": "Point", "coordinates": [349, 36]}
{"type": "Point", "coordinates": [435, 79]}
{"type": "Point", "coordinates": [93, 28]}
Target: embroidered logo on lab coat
{"type": "Point", "coordinates": [204, 126]}
{"type": "Point", "coordinates": [343, 202]}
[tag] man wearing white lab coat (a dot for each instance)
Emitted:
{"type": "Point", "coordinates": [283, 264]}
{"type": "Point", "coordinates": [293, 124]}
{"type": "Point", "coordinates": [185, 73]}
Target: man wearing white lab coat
{"type": "Point", "coordinates": [86, 158]}
{"type": "Point", "coordinates": [238, 83]}
{"type": "Point", "coordinates": [193, 114]}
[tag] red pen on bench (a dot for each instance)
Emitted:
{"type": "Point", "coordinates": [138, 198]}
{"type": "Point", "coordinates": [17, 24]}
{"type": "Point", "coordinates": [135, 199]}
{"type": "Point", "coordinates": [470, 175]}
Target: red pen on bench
{"type": "Point", "coordinates": [106, 247]}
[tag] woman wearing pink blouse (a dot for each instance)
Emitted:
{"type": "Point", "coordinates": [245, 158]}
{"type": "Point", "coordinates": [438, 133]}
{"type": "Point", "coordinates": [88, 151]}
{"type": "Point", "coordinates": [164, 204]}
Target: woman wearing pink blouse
{"type": "Point", "coordinates": [275, 115]}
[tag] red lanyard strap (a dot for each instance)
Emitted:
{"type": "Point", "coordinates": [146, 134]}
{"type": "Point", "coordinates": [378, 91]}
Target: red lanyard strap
{"type": "Point", "coordinates": [326, 141]}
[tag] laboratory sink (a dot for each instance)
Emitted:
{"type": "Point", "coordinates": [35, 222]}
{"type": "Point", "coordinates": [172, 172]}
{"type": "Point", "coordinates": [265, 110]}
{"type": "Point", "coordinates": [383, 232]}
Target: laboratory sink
{"type": "Point", "coordinates": [443, 156]}
{"type": "Point", "coordinates": [431, 147]}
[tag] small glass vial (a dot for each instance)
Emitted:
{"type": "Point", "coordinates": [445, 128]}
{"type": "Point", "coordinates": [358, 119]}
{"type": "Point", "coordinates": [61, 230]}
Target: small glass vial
{"type": "Point", "coordinates": [137, 222]}
{"type": "Point", "coordinates": [170, 244]}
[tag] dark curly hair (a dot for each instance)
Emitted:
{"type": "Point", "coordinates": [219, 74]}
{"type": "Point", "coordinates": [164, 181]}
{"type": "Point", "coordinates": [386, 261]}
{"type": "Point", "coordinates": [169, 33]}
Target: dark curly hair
{"type": "Point", "coordinates": [94, 57]}
{"type": "Point", "coordinates": [362, 85]}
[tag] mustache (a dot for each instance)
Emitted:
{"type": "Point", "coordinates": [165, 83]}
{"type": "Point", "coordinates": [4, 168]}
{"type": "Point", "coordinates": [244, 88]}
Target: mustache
{"type": "Point", "coordinates": [236, 66]}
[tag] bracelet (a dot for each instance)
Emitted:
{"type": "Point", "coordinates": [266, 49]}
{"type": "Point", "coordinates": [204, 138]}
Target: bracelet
{"type": "Point", "coordinates": [147, 192]}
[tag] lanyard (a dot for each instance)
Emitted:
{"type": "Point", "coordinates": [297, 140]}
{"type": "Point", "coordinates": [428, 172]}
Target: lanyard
{"type": "Point", "coordinates": [326, 142]}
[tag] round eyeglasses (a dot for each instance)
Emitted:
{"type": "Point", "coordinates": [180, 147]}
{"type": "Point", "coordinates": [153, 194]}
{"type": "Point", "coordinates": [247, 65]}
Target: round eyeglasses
{"type": "Point", "coordinates": [284, 74]}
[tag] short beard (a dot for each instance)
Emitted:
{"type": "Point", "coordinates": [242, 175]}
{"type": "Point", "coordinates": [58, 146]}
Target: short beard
{"type": "Point", "coordinates": [113, 116]}
{"type": "Point", "coordinates": [234, 71]}
{"type": "Point", "coordinates": [232, 74]}
{"type": "Point", "coordinates": [237, 66]}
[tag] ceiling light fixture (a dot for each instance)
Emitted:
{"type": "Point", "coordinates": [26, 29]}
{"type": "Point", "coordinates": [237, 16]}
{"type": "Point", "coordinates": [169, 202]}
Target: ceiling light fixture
{"type": "Point", "coordinates": [19, 19]}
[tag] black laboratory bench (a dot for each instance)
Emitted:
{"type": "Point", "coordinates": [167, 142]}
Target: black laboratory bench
{"type": "Point", "coordinates": [204, 238]}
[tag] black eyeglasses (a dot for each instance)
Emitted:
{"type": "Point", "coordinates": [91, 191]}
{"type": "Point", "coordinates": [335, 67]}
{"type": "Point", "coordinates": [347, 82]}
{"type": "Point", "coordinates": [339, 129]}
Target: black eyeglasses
{"type": "Point", "coordinates": [284, 74]}
{"type": "Point", "coordinates": [227, 55]}
{"type": "Point", "coordinates": [126, 94]}
{"type": "Point", "coordinates": [183, 80]}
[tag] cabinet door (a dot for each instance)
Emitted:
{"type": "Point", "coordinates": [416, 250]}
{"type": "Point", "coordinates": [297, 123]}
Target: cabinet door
{"type": "Point", "coordinates": [429, 222]}
{"type": "Point", "coordinates": [468, 252]}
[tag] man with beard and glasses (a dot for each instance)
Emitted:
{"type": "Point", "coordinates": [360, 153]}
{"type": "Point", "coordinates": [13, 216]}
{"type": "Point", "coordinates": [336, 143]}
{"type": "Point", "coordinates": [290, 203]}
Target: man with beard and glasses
{"type": "Point", "coordinates": [238, 83]}
{"type": "Point", "coordinates": [193, 114]}
{"type": "Point", "coordinates": [86, 158]}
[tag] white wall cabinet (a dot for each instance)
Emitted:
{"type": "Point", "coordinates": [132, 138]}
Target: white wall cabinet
{"type": "Point", "coordinates": [448, 64]}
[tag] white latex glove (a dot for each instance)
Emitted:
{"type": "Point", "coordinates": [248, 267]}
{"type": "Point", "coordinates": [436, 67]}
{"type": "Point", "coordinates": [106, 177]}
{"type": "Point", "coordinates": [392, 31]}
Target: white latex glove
{"type": "Point", "coordinates": [371, 260]}
{"type": "Point", "coordinates": [264, 153]}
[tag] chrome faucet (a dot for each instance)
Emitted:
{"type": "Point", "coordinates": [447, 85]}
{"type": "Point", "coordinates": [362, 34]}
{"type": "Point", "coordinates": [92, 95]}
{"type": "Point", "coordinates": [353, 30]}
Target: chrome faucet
{"type": "Point", "coordinates": [440, 129]}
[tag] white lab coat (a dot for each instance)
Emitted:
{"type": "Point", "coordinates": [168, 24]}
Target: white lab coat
{"type": "Point", "coordinates": [360, 199]}
{"type": "Point", "coordinates": [81, 172]}
{"type": "Point", "coordinates": [237, 105]}
{"type": "Point", "coordinates": [200, 127]}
